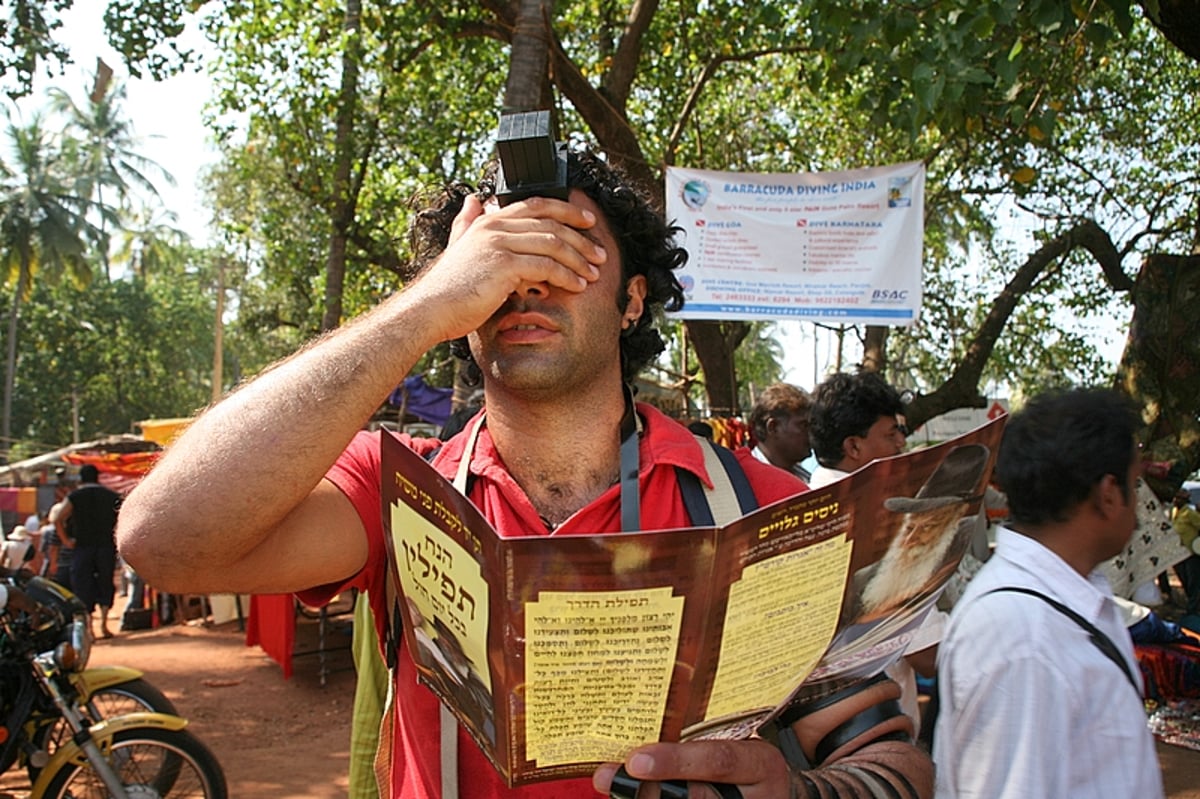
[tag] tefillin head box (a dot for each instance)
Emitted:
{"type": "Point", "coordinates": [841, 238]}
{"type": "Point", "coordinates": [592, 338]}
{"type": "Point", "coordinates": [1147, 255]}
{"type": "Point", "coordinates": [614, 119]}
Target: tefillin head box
{"type": "Point", "coordinates": [532, 164]}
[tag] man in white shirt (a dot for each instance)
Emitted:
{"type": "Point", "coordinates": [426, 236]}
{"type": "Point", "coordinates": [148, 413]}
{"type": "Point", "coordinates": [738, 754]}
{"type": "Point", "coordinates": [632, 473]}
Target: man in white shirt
{"type": "Point", "coordinates": [1041, 696]}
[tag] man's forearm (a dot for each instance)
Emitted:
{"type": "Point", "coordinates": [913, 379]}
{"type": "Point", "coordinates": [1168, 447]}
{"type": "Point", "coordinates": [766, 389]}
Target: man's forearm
{"type": "Point", "coordinates": [884, 769]}
{"type": "Point", "coordinates": [246, 463]}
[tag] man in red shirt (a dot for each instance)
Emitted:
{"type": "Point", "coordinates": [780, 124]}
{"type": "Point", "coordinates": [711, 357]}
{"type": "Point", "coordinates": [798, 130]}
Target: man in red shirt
{"type": "Point", "coordinates": [274, 489]}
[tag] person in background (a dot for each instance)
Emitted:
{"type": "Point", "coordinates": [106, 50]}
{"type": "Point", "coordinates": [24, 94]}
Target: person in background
{"type": "Point", "coordinates": [89, 513]}
{"type": "Point", "coordinates": [1186, 521]}
{"type": "Point", "coordinates": [779, 420]}
{"type": "Point", "coordinates": [56, 550]}
{"type": "Point", "coordinates": [555, 302]}
{"type": "Point", "coordinates": [33, 523]}
{"type": "Point", "coordinates": [1153, 547]}
{"type": "Point", "coordinates": [1040, 693]}
{"type": "Point", "coordinates": [855, 419]}
{"type": "Point", "coordinates": [17, 549]}
{"type": "Point", "coordinates": [858, 418]}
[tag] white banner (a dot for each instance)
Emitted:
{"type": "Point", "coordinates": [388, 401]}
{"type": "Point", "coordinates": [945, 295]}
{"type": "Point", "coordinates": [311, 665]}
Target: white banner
{"type": "Point", "coordinates": [839, 247]}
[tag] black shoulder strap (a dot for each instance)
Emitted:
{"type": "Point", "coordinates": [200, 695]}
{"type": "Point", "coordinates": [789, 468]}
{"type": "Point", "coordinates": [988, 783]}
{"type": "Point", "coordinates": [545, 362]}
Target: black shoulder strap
{"type": "Point", "coordinates": [1102, 641]}
{"type": "Point", "coordinates": [695, 496]}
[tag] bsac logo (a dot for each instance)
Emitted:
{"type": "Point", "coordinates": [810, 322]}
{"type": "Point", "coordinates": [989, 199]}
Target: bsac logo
{"type": "Point", "coordinates": [889, 296]}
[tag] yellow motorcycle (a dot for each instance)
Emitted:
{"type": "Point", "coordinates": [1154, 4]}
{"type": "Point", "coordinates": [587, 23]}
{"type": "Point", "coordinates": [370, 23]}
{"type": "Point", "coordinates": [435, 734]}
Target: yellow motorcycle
{"type": "Point", "coordinates": [45, 686]}
{"type": "Point", "coordinates": [104, 692]}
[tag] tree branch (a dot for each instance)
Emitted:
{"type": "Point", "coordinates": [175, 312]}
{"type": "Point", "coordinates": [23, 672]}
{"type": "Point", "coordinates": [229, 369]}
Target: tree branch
{"type": "Point", "coordinates": [606, 121]}
{"type": "Point", "coordinates": [961, 390]}
{"type": "Point", "coordinates": [706, 74]}
{"type": "Point", "coordinates": [620, 76]}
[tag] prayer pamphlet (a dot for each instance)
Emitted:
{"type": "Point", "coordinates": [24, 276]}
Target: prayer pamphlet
{"type": "Point", "coordinates": [561, 652]}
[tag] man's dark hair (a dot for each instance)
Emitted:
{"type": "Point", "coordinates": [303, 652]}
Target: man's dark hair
{"type": "Point", "coordinates": [646, 243]}
{"type": "Point", "coordinates": [88, 473]}
{"type": "Point", "coordinates": [847, 405]}
{"type": "Point", "coordinates": [1058, 447]}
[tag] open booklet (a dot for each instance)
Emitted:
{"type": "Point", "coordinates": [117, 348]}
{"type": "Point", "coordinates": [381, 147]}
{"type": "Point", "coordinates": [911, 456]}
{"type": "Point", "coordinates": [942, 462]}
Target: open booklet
{"type": "Point", "coordinates": [558, 653]}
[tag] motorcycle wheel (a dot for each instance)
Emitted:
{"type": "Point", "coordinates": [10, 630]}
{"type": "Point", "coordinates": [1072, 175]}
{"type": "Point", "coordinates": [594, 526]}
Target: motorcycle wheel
{"type": "Point", "coordinates": [132, 696]}
{"type": "Point", "coordinates": [152, 763]}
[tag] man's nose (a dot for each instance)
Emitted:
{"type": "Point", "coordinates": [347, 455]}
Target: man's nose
{"type": "Point", "coordinates": [528, 289]}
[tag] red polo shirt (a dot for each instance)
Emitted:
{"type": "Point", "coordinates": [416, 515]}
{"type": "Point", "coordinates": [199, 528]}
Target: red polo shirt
{"type": "Point", "coordinates": [664, 445]}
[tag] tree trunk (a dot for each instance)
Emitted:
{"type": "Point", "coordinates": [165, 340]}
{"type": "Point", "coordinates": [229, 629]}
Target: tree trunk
{"type": "Point", "coordinates": [1160, 368]}
{"type": "Point", "coordinates": [10, 365]}
{"type": "Point", "coordinates": [1179, 23]}
{"type": "Point", "coordinates": [715, 343]}
{"type": "Point", "coordinates": [527, 89]}
{"type": "Point", "coordinates": [342, 213]}
{"type": "Point", "coordinates": [528, 85]}
{"type": "Point", "coordinates": [218, 379]}
{"type": "Point", "coordinates": [875, 349]}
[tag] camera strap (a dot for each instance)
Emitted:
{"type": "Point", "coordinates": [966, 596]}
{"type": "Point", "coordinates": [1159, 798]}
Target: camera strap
{"type": "Point", "coordinates": [631, 514]}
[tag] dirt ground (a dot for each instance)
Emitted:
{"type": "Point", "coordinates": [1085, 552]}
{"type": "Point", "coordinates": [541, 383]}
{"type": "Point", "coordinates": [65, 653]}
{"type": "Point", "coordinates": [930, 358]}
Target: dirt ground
{"type": "Point", "coordinates": [289, 739]}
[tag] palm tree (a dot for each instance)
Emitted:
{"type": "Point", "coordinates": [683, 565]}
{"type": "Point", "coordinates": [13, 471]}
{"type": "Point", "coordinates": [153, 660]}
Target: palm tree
{"type": "Point", "coordinates": [152, 244]}
{"type": "Point", "coordinates": [43, 232]}
{"type": "Point", "coordinates": [105, 150]}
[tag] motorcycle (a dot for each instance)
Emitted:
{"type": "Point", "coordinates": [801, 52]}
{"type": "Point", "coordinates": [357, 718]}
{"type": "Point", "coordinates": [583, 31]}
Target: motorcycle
{"type": "Point", "coordinates": [106, 691]}
{"type": "Point", "coordinates": [44, 648]}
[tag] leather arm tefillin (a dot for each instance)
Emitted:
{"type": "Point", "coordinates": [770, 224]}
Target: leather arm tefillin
{"type": "Point", "coordinates": [821, 737]}
{"type": "Point", "coordinates": [849, 741]}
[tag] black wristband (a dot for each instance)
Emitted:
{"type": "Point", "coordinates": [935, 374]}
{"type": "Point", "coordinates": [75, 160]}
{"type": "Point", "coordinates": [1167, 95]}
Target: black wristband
{"type": "Point", "coordinates": [626, 787]}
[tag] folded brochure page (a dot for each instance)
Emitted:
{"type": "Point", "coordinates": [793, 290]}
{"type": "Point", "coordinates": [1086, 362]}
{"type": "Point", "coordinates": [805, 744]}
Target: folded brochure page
{"type": "Point", "coordinates": [561, 652]}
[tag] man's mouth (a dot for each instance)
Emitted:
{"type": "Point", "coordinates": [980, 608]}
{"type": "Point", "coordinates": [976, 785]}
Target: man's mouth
{"type": "Point", "coordinates": [525, 328]}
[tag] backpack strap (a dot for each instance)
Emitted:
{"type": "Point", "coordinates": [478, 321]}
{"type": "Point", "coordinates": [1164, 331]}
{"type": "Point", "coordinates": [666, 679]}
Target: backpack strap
{"type": "Point", "coordinates": [730, 497]}
{"type": "Point", "coordinates": [1102, 641]}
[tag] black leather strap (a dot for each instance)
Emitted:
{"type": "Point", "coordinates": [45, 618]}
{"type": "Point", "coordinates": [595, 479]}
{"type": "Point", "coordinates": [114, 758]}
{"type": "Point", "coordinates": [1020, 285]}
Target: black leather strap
{"type": "Point", "coordinates": [779, 730]}
{"type": "Point", "coordinates": [801, 708]}
{"type": "Point", "coordinates": [855, 726]}
{"type": "Point", "coordinates": [626, 787]}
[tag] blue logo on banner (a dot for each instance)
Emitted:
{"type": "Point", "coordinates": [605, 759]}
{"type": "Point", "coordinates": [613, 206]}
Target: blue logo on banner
{"type": "Point", "coordinates": [695, 194]}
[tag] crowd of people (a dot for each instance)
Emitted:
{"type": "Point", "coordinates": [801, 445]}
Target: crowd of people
{"type": "Point", "coordinates": [554, 304]}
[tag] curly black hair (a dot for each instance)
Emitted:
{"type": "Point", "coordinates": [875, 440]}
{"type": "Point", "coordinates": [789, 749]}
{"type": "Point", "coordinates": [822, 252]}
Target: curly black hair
{"type": "Point", "coordinates": [847, 405]}
{"type": "Point", "coordinates": [646, 242]}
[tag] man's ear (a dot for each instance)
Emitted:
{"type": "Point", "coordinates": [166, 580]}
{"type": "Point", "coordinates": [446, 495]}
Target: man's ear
{"type": "Point", "coordinates": [635, 289]}
{"type": "Point", "coordinates": [1109, 500]}
{"type": "Point", "coordinates": [772, 425]}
